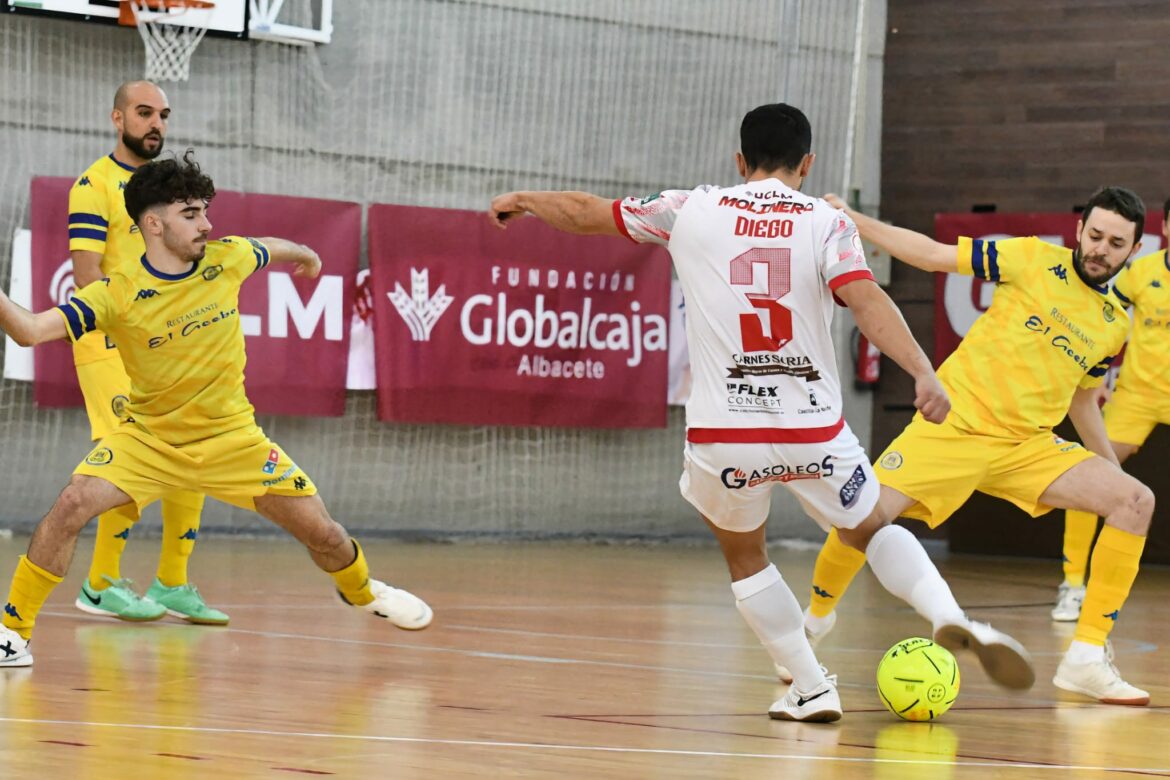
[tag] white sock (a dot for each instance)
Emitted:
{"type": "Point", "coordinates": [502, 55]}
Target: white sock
{"type": "Point", "coordinates": [818, 624]}
{"type": "Point", "coordinates": [905, 570]}
{"type": "Point", "coordinates": [771, 611]}
{"type": "Point", "coordinates": [1084, 653]}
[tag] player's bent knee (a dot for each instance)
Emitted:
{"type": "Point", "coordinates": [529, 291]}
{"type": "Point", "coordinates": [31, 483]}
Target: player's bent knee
{"type": "Point", "coordinates": [1136, 501]}
{"type": "Point", "coordinates": [323, 535]}
{"type": "Point", "coordinates": [859, 536]}
{"type": "Point", "coordinates": [71, 511]}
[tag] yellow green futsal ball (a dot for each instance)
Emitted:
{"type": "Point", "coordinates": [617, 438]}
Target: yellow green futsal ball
{"type": "Point", "coordinates": [917, 679]}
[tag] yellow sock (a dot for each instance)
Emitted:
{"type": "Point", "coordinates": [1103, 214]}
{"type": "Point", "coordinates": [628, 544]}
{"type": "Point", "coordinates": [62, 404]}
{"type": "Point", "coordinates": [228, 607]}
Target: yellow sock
{"type": "Point", "coordinates": [353, 582]}
{"type": "Point", "coordinates": [1115, 566]}
{"type": "Point", "coordinates": [837, 565]}
{"type": "Point", "coordinates": [1079, 530]}
{"type": "Point", "coordinates": [113, 529]}
{"type": "Point", "coordinates": [180, 528]}
{"type": "Point", "coordinates": [31, 585]}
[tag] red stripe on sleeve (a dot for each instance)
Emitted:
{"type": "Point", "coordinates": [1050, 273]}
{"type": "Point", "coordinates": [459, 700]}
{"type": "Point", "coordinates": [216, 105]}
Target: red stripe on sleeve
{"type": "Point", "coordinates": [620, 221]}
{"type": "Point", "coordinates": [844, 279]}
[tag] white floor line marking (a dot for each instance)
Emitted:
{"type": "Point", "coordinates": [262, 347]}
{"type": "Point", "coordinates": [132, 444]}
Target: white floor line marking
{"type": "Point", "coordinates": [987, 763]}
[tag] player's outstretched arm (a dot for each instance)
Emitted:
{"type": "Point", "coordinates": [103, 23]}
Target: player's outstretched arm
{"type": "Point", "coordinates": [28, 329]}
{"type": "Point", "coordinates": [281, 250]}
{"type": "Point", "coordinates": [882, 323]}
{"type": "Point", "coordinates": [572, 212]}
{"type": "Point", "coordinates": [908, 246]}
{"type": "Point", "coordinates": [1086, 417]}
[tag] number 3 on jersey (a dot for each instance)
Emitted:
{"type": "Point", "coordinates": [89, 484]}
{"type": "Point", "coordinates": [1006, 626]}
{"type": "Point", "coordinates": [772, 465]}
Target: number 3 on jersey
{"type": "Point", "coordinates": [751, 327]}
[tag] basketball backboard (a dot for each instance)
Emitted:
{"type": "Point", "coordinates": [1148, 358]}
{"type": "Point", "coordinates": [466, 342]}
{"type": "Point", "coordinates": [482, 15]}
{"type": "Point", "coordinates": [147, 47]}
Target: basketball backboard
{"type": "Point", "coordinates": [229, 18]}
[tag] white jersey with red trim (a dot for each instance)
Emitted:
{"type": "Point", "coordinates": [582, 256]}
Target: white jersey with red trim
{"type": "Point", "coordinates": [758, 264]}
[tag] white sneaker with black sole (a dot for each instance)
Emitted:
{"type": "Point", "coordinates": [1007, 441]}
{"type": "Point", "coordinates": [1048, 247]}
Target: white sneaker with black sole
{"type": "Point", "coordinates": [1068, 603]}
{"type": "Point", "coordinates": [820, 705]}
{"type": "Point", "coordinates": [14, 652]}
{"type": "Point", "coordinates": [1004, 659]}
{"type": "Point", "coordinates": [400, 607]}
{"type": "Point", "coordinates": [814, 639]}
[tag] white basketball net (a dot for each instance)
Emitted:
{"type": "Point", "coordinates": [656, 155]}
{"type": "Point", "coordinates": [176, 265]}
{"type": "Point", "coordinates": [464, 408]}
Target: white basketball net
{"type": "Point", "coordinates": [168, 46]}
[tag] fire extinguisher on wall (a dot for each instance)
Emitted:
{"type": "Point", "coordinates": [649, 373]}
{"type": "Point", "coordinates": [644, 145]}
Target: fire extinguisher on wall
{"type": "Point", "coordinates": [867, 360]}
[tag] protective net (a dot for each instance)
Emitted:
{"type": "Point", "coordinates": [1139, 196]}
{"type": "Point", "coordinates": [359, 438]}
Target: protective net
{"type": "Point", "coordinates": [442, 103]}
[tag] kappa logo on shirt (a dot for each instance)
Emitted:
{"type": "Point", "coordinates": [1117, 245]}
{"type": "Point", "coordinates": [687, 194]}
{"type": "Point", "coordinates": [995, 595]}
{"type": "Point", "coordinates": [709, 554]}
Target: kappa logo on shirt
{"type": "Point", "coordinates": [1060, 272]}
{"type": "Point", "coordinates": [144, 294]}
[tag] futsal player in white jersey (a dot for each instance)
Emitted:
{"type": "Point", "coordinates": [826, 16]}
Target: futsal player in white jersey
{"type": "Point", "coordinates": [760, 265]}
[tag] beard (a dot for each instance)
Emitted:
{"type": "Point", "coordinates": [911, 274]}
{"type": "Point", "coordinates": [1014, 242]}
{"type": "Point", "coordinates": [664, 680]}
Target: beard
{"type": "Point", "coordinates": [137, 144]}
{"type": "Point", "coordinates": [189, 251]}
{"type": "Point", "coordinates": [1093, 279]}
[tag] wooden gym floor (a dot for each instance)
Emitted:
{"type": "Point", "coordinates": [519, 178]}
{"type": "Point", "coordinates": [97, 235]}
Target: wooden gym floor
{"type": "Point", "coordinates": [544, 660]}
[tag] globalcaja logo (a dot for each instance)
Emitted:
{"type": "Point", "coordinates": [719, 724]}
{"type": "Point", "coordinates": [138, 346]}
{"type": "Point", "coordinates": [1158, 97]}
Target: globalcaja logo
{"type": "Point", "coordinates": [558, 318]}
{"type": "Point", "coordinates": [420, 310]}
{"type": "Point", "coordinates": [736, 478]}
{"type": "Point", "coordinates": [852, 487]}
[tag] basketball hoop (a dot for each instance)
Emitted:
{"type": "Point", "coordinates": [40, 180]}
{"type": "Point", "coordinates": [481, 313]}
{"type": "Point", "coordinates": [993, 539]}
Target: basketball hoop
{"type": "Point", "coordinates": [169, 43]}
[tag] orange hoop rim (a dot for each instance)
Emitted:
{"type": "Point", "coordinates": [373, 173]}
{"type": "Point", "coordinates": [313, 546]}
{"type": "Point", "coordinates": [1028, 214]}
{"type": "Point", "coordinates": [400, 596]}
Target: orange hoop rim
{"type": "Point", "coordinates": [127, 18]}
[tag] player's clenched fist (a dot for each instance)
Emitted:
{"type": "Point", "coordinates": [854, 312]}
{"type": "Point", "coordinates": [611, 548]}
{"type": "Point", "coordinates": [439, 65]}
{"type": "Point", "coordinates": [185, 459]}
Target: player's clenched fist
{"type": "Point", "coordinates": [930, 398]}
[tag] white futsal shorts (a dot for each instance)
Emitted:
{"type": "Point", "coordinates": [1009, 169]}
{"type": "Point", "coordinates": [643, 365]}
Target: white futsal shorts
{"type": "Point", "coordinates": [731, 484]}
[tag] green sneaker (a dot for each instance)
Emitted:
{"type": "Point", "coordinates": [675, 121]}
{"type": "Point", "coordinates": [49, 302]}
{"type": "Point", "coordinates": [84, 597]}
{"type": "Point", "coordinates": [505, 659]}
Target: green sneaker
{"type": "Point", "coordinates": [184, 601]}
{"type": "Point", "coordinates": [118, 601]}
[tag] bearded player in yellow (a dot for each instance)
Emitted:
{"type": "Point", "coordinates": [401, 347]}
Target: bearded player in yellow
{"type": "Point", "coordinates": [174, 314]}
{"type": "Point", "coordinates": [101, 238]}
{"type": "Point", "coordinates": [1140, 403]}
{"type": "Point", "coordinates": [1038, 353]}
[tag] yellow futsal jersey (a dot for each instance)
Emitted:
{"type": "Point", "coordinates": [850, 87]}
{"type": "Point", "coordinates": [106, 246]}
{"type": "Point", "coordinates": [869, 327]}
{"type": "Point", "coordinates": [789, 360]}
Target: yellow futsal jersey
{"type": "Point", "coordinates": [1146, 286]}
{"type": "Point", "coordinates": [98, 222]}
{"type": "Point", "coordinates": [180, 339]}
{"type": "Point", "coordinates": [1045, 334]}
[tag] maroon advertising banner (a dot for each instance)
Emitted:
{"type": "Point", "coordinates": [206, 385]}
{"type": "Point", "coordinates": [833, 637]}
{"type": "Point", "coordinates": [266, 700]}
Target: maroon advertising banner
{"type": "Point", "coordinates": [959, 299]}
{"type": "Point", "coordinates": [297, 329]}
{"type": "Point", "coordinates": [526, 326]}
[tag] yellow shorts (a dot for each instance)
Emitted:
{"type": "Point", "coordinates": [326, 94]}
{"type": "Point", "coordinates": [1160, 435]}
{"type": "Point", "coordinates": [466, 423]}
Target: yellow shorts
{"type": "Point", "coordinates": [1131, 417]}
{"type": "Point", "coordinates": [234, 467]}
{"type": "Point", "coordinates": [940, 466]}
{"type": "Point", "coordinates": [106, 388]}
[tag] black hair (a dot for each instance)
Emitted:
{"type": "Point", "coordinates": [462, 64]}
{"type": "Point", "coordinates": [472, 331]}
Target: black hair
{"type": "Point", "coordinates": [774, 137]}
{"type": "Point", "coordinates": [1120, 201]}
{"type": "Point", "coordinates": [166, 181]}
{"type": "Point", "coordinates": [1166, 210]}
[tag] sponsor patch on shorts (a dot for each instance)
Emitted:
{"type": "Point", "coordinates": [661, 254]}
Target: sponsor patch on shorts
{"type": "Point", "coordinates": [852, 487]}
{"type": "Point", "coordinates": [99, 457]}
